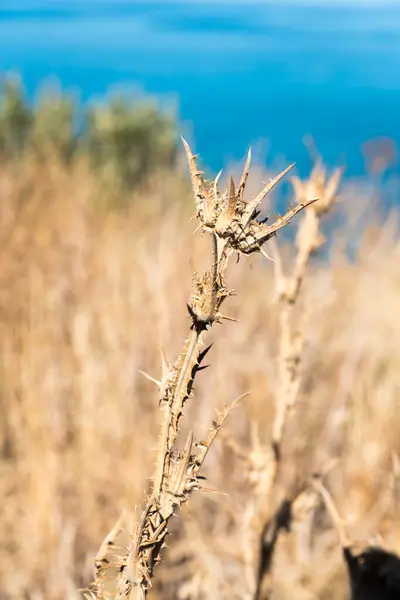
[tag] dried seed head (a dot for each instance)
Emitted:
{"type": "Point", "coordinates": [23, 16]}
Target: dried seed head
{"type": "Point", "coordinates": [318, 186]}
{"type": "Point", "coordinates": [229, 217]}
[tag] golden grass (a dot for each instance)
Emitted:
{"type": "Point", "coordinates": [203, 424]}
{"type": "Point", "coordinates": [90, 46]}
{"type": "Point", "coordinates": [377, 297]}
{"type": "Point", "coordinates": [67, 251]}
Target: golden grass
{"type": "Point", "coordinates": [86, 297]}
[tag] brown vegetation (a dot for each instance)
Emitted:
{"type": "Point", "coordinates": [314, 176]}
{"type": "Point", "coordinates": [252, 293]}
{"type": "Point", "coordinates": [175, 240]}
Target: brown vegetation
{"type": "Point", "coordinates": [88, 294]}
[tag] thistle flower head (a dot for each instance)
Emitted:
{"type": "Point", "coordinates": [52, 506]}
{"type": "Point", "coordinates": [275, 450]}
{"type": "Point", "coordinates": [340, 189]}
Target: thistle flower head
{"type": "Point", "coordinates": [232, 219]}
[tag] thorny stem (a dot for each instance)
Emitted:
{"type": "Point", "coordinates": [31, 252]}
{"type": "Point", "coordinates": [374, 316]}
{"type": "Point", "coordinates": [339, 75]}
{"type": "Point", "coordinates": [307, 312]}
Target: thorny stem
{"type": "Point", "coordinates": [215, 265]}
{"type": "Point", "coordinates": [288, 288]}
{"type": "Point", "coordinates": [290, 350]}
{"type": "Point", "coordinates": [172, 409]}
{"type": "Point", "coordinates": [234, 228]}
{"type": "Point", "coordinates": [167, 438]}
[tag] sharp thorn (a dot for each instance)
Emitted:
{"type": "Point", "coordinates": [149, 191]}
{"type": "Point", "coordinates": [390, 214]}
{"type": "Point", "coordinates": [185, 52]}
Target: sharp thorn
{"type": "Point", "coordinates": [226, 318]}
{"type": "Point", "coordinates": [263, 252]}
{"type": "Point", "coordinates": [203, 354]}
{"type": "Point", "coordinates": [150, 378]}
{"type": "Point", "coordinates": [196, 230]}
{"type": "Point", "coordinates": [165, 366]}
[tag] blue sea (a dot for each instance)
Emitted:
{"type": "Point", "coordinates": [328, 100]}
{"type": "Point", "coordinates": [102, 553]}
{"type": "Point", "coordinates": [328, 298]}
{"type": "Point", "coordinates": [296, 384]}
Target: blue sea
{"type": "Point", "coordinates": [241, 72]}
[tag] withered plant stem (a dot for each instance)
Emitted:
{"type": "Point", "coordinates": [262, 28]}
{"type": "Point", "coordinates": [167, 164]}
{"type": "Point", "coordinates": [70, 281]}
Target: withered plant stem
{"type": "Point", "coordinates": [234, 229]}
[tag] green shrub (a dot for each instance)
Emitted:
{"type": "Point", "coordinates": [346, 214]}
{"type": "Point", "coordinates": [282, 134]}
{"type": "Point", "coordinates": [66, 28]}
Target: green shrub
{"type": "Point", "coordinates": [15, 117]}
{"type": "Point", "coordinates": [124, 139]}
{"type": "Point", "coordinates": [130, 140]}
{"type": "Point", "coordinates": [55, 124]}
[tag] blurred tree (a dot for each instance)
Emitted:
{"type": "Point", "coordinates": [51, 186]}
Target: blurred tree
{"type": "Point", "coordinates": [55, 124]}
{"type": "Point", "coordinates": [125, 139]}
{"type": "Point", "coordinates": [15, 116]}
{"type": "Point", "coordinates": [130, 140]}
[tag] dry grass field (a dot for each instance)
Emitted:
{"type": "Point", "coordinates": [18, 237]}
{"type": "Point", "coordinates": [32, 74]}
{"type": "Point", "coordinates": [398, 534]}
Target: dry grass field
{"type": "Point", "coordinates": [87, 296]}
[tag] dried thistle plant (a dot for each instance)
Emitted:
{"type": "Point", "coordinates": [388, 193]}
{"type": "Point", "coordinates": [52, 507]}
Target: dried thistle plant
{"type": "Point", "coordinates": [234, 229]}
{"type": "Point", "coordinates": [267, 512]}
